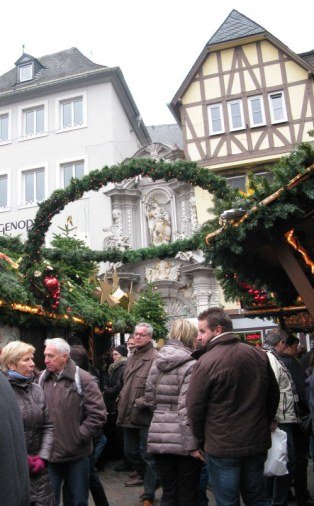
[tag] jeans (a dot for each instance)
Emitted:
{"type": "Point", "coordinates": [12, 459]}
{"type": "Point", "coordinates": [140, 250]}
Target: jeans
{"type": "Point", "coordinates": [95, 486]}
{"type": "Point", "coordinates": [180, 479]}
{"type": "Point", "coordinates": [232, 476]}
{"type": "Point", "coordinates": [76, 475]}
{"type": "Point", "coordinates": [135, 449]}
{"type": "Point", "coordinates": [99, 443]}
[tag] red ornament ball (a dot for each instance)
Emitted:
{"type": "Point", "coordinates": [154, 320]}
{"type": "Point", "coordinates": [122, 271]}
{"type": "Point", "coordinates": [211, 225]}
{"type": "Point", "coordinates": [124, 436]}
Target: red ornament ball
{"type": "Point", "coordinates": [51, 283]}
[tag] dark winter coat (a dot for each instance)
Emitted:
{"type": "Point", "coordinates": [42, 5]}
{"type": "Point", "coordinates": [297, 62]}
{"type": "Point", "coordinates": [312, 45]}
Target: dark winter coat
{"type": "Point", "coordinates": [298, 375]}
{"type": "Point", "coordinates": [14, 476]}
{"type": "Point", "coordinates": [38, 433]}
{"type": "Point", "coordinates": [132, 410]}
{"type": "Point", "coordinates": [232, 398]}
{"type": "Point", "coordinates": [166, 389]}
{"type": "Point", "coordinates": [76, 416]}
{"type": "Point", "coordinates": [114, 384]}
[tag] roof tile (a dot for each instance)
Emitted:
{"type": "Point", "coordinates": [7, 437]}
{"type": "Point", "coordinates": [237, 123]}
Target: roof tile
{"type": "Point", "coordinates": [56, 66]}
{"type": "Point", "coordinates": [235, 26]}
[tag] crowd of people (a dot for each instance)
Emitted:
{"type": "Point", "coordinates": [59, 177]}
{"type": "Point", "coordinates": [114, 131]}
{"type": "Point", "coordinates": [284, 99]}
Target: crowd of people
{"type": "Point", "coordinates": [199, 412]}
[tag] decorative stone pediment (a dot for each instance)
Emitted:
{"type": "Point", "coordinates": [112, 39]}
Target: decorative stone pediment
{"type": "Point", "coordinates": [159, 151]}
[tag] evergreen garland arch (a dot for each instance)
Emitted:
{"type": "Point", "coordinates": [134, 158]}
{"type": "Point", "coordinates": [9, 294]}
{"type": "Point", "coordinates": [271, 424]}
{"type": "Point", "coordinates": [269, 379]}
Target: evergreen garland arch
{"type": "Point", "coordinates": [225, 251]}
{"type": "Point", "coordinates": [180, 170]}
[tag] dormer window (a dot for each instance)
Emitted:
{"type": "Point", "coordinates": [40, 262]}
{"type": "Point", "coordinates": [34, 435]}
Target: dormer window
{"type": "Point", "coordinates": [27, 68]}
{"type": "Point", "coordinates": [26, 72]}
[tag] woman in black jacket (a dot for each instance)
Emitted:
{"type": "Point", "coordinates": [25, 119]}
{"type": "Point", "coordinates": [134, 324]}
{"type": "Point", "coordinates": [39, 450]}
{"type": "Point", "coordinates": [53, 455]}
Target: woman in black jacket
{"type": "Point", "coordinates": [17, 364]}
{"type": "Point", "coordinates": [112, 389]}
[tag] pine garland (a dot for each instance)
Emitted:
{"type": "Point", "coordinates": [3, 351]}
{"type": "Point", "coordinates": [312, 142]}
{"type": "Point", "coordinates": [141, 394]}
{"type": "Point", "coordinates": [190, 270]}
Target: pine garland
{"type": "Point", "coordinates": [224, 253]}
{"type": "Point", "coordinates": [188, 172]}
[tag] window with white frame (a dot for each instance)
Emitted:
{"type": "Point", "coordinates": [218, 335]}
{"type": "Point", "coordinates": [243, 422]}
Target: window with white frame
{"type": "Point", "coordinates": [26, 72]}
{"type": "Point", "coordinates": [256, 111]}
{"type": "Point", "coordinates": [3, 190]}
{"type": "Point", "coordinates": [235, 111]}
{"type": "Point", "coordinates": [33, 185]}
{"type": "Point", "coordinates": [71, 170]}
{"type": "Point", "coordinates": [215, 117]}
{"type": "Point", "coordinates": [277, 107]}
{"type": "Point", "coordinates": [265, 175]}
{"type": "Point", "coordinates": [238, 182]}
{"type": "Point", "coordinates": [71, 113]}
{"type": "Point", "coordinates": [33, 121]}
{"type": "Point", "coordinates": [4, 127]}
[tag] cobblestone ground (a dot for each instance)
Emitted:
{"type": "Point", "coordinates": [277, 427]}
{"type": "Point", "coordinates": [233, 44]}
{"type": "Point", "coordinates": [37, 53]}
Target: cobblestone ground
{"type": "Point", "coordinates": [119, 495]}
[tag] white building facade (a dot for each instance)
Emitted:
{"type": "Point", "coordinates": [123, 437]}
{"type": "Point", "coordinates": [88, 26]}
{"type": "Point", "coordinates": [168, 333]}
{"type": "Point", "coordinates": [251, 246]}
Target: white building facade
{"type": "Point", "coordinates": [62, 116]}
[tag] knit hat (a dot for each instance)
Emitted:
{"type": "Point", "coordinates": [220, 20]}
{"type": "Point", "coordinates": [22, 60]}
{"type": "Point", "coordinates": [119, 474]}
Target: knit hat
{"type": "Point", "coordinates": [122, 350]}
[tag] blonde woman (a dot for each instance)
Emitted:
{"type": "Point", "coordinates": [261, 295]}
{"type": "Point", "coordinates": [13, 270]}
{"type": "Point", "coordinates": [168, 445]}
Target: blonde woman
{"type": "Point", "coordinates": [17, 361]}
{"type": "Point", "coordinates": [176, 451]}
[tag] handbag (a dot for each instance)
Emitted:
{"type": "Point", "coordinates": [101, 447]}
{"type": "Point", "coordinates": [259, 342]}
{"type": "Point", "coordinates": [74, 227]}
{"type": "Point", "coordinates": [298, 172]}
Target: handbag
{"type": "Point", "coordinates": [277, 457]}
{"type": "Point", "coordinates": [141, 416]}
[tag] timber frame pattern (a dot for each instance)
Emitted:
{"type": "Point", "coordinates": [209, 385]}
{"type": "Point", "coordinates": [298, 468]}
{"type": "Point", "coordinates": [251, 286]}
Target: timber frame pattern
{"type": "Point", "coordinates": [252, 66]}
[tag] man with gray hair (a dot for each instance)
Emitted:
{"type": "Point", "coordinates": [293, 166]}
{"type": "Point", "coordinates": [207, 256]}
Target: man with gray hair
{"type": "Point", "coordinates": [134, 415]}
{"type": "Point", "coordinates": [277, 488]}
{"type": "Point", "coordinates": [77, 411]}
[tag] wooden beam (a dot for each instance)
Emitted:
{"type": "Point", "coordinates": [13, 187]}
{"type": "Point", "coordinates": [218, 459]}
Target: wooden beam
{"type": "Point", "coordinates": [295, 273]}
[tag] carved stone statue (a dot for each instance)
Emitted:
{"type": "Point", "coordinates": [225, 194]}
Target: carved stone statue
{"type": "Point", "coordinates": [159, 223]}
{"type": "Point", "coordinates": [193, 211]}
{"type": "Point", "coordinates": [117, 221]}
{"type": "Point", "coordinates": [117, 239]}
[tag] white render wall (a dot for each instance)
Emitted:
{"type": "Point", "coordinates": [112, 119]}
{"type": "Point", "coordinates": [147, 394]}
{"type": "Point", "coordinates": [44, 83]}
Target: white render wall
{"type": "Point", "coordinates": [105, 139]}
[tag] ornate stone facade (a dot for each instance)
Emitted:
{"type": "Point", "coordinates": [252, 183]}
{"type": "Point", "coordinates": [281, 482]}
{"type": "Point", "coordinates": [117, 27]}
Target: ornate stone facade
{"type": "Point", "coordinates": [147, 213]}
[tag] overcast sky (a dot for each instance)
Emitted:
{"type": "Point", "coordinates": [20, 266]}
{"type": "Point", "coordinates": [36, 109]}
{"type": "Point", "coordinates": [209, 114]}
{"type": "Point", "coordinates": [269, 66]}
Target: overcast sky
{"type": "Point", "coordinates": [155, 43]}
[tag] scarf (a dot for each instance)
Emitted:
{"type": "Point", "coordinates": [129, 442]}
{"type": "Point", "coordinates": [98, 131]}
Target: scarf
{"type": "Point", "coordinates": [114, 365]}
{"type": "Point", "coordinates": [20, 377]}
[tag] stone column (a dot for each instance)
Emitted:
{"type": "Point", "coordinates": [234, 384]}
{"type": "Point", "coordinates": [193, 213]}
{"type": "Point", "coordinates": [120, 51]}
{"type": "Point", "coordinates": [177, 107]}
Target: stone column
{"type": "Point", "coordinates": [204, 288]}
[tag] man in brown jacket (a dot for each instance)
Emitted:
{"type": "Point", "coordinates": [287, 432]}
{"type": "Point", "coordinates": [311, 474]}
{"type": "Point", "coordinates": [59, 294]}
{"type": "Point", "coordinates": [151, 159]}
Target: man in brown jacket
{"type": "Point", "coordinates": [232, 399]}
{"type": "Point", "coordinates": [77, 411]}
{"type": "Point", "coordinates": [134, 415]}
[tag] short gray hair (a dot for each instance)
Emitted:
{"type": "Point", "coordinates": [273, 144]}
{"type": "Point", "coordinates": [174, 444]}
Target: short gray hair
{"type": "Point", "coordinates": [276, 335]}
{"type": "Point", "coordinates": [148, 326]}
{"type": "Point", "coordinates": [60, 344]}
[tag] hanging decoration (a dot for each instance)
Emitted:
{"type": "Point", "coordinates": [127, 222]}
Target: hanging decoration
{"type": "Point", "coordinates": [52, 284]}
{"type": "Point", "coordinates": [257, 297]}
{"type": "Point", "coordinates": [113, 295]}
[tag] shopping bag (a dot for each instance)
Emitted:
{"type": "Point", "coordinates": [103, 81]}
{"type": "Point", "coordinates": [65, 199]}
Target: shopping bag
{"type": "Point", "coordinates": [277, 457]}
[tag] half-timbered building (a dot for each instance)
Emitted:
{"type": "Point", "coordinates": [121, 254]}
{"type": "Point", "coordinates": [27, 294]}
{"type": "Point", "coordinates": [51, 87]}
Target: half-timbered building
{"type": "Point", "coordinates": [247, 100]}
